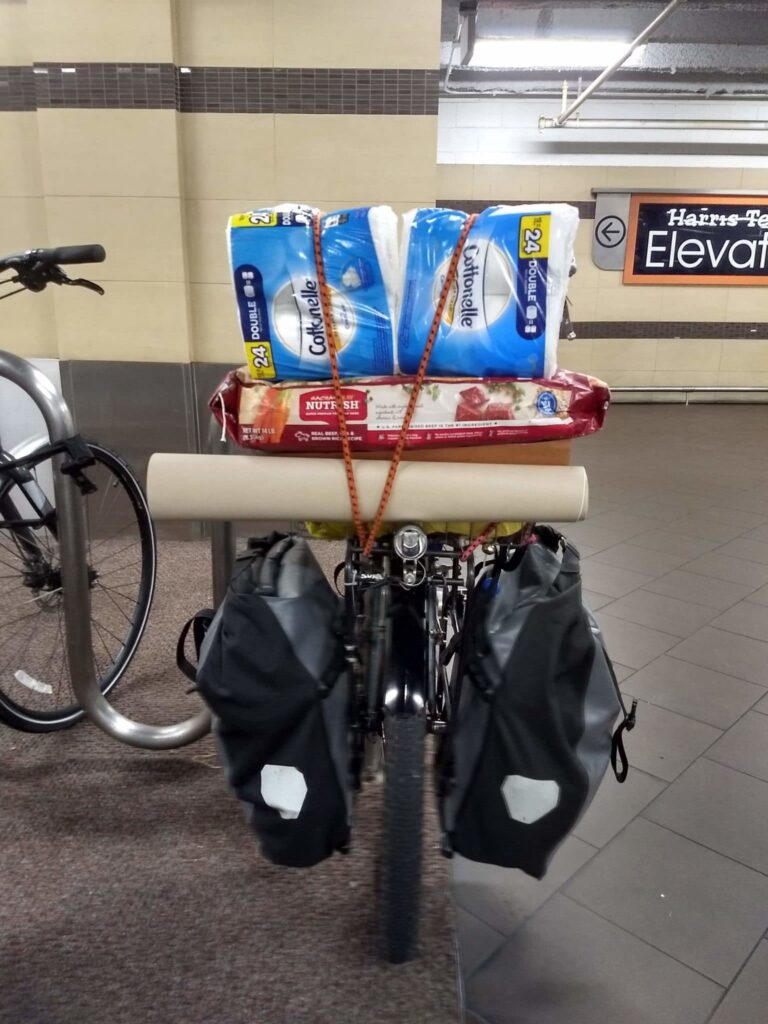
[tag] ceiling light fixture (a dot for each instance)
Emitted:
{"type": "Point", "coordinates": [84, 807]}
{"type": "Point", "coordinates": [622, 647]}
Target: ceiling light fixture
{"type": "Point", "coordinates": [550, 53]}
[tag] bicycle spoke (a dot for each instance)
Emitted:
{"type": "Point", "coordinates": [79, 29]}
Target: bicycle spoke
{"type": "Point", "coordinates": [106, 629]}
{"type": "Point", "coordinates": [111, 572]}
{"type": "Point", "coordinates": [100, 636]}
{"type": "Point", "coordinates": [105, 540]}
{"type": "Point", "coordinates": [114, 554]}
{"type": "Point", "coordinates": [116, 590]}
{"type": "Point", "coordinates": [127, 617]}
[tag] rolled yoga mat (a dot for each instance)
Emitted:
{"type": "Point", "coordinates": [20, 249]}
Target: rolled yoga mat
{"type": "Point", "coordinates": [232, 487]}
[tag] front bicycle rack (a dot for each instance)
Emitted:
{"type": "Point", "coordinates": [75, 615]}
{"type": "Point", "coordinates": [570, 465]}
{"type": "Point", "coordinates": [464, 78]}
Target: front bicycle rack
{"type": "Point", "coordinates": [74, 572]}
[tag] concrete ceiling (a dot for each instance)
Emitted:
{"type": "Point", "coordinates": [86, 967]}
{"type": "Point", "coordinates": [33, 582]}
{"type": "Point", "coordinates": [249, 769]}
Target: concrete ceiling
{"type": "Point", "coordinates": [713, 47]}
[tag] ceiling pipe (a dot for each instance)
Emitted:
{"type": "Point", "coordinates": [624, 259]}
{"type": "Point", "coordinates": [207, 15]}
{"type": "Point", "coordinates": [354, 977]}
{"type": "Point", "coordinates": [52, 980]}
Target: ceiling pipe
{"type": "Point", "coordinates": [565, 115]}
{"type": "Point", "coordinates": [664, 124]}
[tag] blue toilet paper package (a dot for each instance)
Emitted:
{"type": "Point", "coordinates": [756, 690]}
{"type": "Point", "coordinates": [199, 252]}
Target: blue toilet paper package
{"type": "Point", "coordinates": [503, 313]}
{"type": "Point", "coordinates": [278, 296]}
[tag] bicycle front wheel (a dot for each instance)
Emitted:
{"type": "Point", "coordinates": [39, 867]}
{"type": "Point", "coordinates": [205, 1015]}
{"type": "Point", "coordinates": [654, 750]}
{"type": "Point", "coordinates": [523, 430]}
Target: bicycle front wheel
{"type": "Point", "coordinates": [36, 692]}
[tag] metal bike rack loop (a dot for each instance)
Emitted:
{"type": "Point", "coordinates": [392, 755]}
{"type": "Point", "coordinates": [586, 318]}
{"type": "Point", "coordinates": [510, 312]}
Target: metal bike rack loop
{"type": "Point", "coordinates": [76, 588]}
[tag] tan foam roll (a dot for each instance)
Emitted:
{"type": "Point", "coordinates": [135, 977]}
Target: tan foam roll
{"type": "Point", "coordinates": [230, 487]}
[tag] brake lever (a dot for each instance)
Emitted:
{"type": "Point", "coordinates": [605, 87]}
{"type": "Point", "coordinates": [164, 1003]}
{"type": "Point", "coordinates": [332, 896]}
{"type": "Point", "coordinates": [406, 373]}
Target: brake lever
{"type": "Point", "coordinates": [81, 282]}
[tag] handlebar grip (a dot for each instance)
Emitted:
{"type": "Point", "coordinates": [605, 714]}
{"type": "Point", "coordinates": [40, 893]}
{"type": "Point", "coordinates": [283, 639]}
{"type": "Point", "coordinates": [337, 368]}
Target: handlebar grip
{"type": "Point", "coordinates": [72, 254]}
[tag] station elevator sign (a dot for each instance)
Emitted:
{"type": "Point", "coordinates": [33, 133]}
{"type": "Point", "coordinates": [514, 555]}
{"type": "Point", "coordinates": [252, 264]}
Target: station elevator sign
{"type": "Point", "coordinates": [697, 240]}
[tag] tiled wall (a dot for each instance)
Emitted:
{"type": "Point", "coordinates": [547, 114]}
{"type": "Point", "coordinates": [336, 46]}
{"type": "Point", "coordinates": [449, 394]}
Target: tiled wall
{"type": "Point", "coordinates": [144, 124]}
{"type": "Point", "coordinates": [636, 335]}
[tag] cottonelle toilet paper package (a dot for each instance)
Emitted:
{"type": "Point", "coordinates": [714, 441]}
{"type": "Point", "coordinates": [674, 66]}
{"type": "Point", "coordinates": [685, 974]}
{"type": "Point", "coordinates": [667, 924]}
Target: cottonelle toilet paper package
{"type": "Point", "coordinates": [278, 296]}
{"type": "Point", "coordinates": [503, 314]}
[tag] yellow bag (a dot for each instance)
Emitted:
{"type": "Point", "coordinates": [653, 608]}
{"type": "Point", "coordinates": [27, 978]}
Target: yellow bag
{"type": "Point", "coordinates": [341, 531]}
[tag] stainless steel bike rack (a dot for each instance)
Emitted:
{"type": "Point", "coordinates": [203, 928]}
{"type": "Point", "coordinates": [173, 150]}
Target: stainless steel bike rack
{"type": "Point", "coordinates": [76, 588]}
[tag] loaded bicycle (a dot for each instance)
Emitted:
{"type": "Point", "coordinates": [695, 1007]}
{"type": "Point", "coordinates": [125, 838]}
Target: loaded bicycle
{"type": "Point", "coordinates": [36, 693]}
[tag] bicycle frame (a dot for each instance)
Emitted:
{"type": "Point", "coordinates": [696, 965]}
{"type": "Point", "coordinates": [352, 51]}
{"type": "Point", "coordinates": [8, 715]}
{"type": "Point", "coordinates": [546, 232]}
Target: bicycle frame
{"type": "Point", "coordinates": [402, 613]}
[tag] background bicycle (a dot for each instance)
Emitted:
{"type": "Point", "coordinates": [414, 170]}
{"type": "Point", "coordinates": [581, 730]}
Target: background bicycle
{"type": "Point", "coordinates": [35, 689]}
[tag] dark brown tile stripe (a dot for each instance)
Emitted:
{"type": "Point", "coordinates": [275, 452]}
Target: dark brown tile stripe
{"type": "Point", "coordinates": [586, 208]}
{"type": "Point", "coordinates": [212, 90]}
{"type": "Point", "coordinates": [717, 330]}
{"type": "Point", "coordinates": [17, 88]}
{"type": "Point", "coordinates": [124, 86]}
{"type": "Point", "coordinates": [308, 90]}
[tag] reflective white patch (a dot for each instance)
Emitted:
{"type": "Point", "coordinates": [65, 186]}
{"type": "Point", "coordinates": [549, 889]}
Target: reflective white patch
{"type": "Point", "coordinates": [528, 800]}
{"type": "Point", "coordinates": [283, 788]}
{"type": "Point", "coordinates": [30, 682]}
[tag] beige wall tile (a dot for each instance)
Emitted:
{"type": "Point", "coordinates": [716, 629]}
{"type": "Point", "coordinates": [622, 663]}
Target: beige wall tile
{"type": "Point", "coordinates": [360, 158]}
{"type": "Point", "coordinates": [623, 354]}
{"type": "Point", "coordinates": [584, 302]}
{"type": "Point", "coordinates": [229, 155]}
{"type": "Point", "coordinates": [683, 375]}
{"type": "Point", "coordinates": [142, 236]}
{"type": "Point", "coordinates": [564, 183]}
{"type": "Point", "coordinates": [616, 378]}
{"type": "Point", "coordinates": [575, 355]}
{"type": "Point", "coordinates": [583, 247]}
{"type": "Point", "coordinates": [640, 177]}
{"type": "Point", "coordinates": [749, 356]}
{"type": "Point", "coordinates": [206, 227]}
{"type": "Point", "coordinates": [29, 325]}
{"type": "Point", "coordinates": [505, 181]}
{"type": "Point", "coordinates": [100, 30]}
{"type": "Point", "coordinates": [109, 152]}
{"type": "Point", "coordinates": [743, 378]}
{"type": "Point", "coordinates": [755, 177]}
{"type": "Point", "coordinates": [19, 154]}
{"type": "Point", "coordinates": [215, 327]}
{"type": "Point", "coordinates": [749, 302]}
{"type": "Point", "coordinates": [22, 225]}
{"type": "Point", "coordinates": [136, 321]}
{"type": "Point", "coordinates": [237, 33]}
{"type": "Point", "coordinates": [348, 34]}
{"type": "Point", "coordinates": [454, 181]}
{"type": "Point", "coordinates": [707, 177]}
{"type": "Point", "coordinates": [620, 302]}
{"type": "Point", "coordinates": [15, 44]}
{"type": "Point", "coordinates": [690, 302]}
{"type": "Point", "coordinates": [683, 354]}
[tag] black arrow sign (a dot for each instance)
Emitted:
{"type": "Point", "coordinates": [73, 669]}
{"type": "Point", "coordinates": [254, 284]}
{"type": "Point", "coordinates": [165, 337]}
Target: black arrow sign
{"type": "Point", "coordinates": [611, 231]}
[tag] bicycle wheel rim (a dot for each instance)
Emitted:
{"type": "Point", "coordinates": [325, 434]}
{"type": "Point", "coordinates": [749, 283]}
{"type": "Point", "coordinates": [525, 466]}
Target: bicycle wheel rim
{"type": "Point", "coordinates": [111, 663]}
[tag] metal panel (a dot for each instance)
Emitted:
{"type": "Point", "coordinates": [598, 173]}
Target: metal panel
{"type": "Point", "coordinates": [609, 238]}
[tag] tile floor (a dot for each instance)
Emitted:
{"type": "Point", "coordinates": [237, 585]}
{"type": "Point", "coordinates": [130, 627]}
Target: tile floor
{"type": "Point", "coordinates": [655, 911]}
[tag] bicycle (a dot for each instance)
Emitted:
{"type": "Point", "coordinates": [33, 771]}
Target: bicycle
{"type": "Point", "coordinates": [407, 603]}
{"type": "Point", "coordinates": [35, 688]}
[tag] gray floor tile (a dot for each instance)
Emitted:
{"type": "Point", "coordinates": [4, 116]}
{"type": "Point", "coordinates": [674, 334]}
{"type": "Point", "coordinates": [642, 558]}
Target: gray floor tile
{"type": "Point", "coordinates": [747, 1000]}
{"type": "Point", "coordinates": [594, 601]}
{"type": "Point", "coordinates": [746, 618]}
{"type": "Point", "coordinates": [503, 898]}
{"type": "Point", "coordinates": [763, 705]}
{"type": "Point", "coordinates": [569, 966]}
{"type": "Point", "coordinates": [609, 580]}
{"type": "Point", "coordinates": [473, 1018]}
{"type": "Point", "coordinates": [688, 586]}
{"type": "Point", "coordinates": [615, 805]}
{"type": "Point", "coordinates": [698, 906]}
{"type": "Point", "coordinates": [709, 528]}
{"type": "Point", "coordinates": [694, 691]}
{"type": "Point", "coordinates": [745, 747]}
{"type": "Point", "coordinates": [625, 523]}
{"type": "Point", "coordinates": [735, 570]}
{"type": "Point", "coordinates": [477, 941]}
{"type": "Point", "coordinates": [630, 644]}
{"type": "Point", "coordinates": [640, 559]}
{"type": "Point", "coordinates": [668, 614]}
{"type": "Point", "coordinates": [668, 511]}
{"type": "Point", "coordinates": [664, 744]}
{"type": "Point", "coordinates": [760, 533]}
{"type": "Point", "coordinates": [596, 538]}
{"type": "Point", "coordinates": [739, 520]}
{"type": "Point", "coordinates": [760, 596]}
{"type": "Point", "coordinates": [674, 541]}
{"type": "Point", "coordinates": [622, 671]}
{"type": "Point", "coordinates": [739, 656]}
{"type": "Point", "coordinates": [719, 807]}
{"type": "Point", "coordinates": [751, 550]}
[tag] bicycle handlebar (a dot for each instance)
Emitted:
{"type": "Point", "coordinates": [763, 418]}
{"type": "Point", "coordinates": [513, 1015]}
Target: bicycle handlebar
{"type": "Point", "coordinates": [64, 254]}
